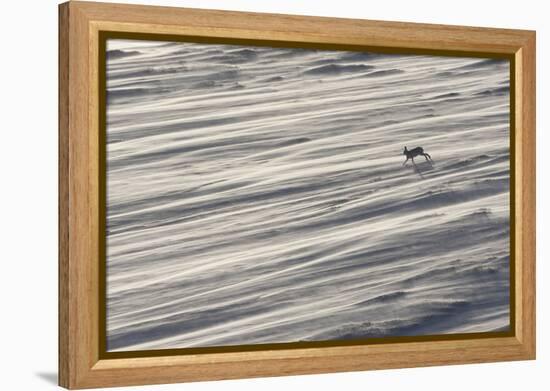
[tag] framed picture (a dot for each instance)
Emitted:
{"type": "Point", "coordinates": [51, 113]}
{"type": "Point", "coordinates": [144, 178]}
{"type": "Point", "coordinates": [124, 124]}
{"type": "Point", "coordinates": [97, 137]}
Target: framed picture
{"type": "Point", "coordinates": [248, 195]}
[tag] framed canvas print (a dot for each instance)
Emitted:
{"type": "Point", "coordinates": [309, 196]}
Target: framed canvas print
{"type": "Point", "coordinates": [248, 195]}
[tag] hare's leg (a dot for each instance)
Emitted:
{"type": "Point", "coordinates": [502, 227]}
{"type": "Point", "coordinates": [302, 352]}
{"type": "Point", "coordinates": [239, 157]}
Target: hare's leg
{"type": "Point", "coordinates": [426, 156]}
{"type": "Point", "coordinates": [429, 157]}
{"type": "Point", "coordinates": [406, 160]}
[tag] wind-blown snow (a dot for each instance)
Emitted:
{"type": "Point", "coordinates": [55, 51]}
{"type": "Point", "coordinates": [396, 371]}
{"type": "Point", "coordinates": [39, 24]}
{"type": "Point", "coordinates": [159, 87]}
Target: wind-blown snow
{"type": "Point", "coordinates": [257, 195]}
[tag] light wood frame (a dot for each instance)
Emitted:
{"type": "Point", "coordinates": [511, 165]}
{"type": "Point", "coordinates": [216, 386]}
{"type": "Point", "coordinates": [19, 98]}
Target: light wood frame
{"type": "Point", "coordinates": [80, 24]}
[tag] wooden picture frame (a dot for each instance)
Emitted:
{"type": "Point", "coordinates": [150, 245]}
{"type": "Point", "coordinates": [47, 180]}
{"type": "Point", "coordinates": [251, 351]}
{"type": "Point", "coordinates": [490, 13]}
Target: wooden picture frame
{"type": "Point", "coordinates": [83, 364]}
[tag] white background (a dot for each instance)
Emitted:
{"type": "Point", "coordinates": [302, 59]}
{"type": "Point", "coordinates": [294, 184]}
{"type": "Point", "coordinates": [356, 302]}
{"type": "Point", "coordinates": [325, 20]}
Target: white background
{"type": "Point", "coordinates": [28, 172]}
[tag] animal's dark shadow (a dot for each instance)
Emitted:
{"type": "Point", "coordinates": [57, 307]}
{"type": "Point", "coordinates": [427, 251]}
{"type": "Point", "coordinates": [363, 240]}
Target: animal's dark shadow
{"type": "Point", "coordinates": [420, 168]}
{"type": "Point", "coordinates": [48, 377]}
